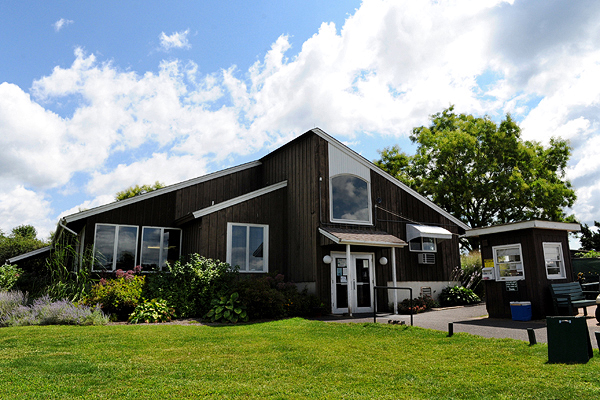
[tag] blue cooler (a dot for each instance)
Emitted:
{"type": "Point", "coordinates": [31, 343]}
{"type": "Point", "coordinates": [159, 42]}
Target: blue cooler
{"type": "Point", "coordinates": [520, 310]}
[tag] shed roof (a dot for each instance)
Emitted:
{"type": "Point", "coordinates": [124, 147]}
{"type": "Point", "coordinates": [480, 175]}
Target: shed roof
{"type": "Point", "coordinates": [515, 226]}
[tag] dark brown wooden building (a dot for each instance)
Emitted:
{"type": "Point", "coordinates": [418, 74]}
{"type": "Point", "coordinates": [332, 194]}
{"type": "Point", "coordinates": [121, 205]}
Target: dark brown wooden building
{"type": "Point", "coordinates": [313, 210]}
{"type": "Point", "coordinates": [522, 260]}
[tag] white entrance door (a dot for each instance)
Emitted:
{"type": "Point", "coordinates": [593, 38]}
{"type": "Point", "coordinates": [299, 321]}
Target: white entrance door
{"type": "Point", "coordinates": [360, 281]}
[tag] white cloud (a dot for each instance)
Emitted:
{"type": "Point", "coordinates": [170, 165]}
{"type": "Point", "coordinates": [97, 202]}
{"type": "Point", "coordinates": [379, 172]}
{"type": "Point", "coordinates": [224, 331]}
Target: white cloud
{"type": "Point", "coordinates": [177, 40]}
{"type": "Point", "coordinates": [61, 23]}
{"type": "Point", "coordinates": [20, 206]}
{"type": "Point", "coordinates": [391, 65]}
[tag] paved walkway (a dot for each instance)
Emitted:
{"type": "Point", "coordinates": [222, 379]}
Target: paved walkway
{"type": "Point", "coordinates": [474, 320]}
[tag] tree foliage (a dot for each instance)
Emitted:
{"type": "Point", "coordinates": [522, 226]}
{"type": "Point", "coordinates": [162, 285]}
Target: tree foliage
{"type": "Point", "coordinates": [590, 239]}
{"type": "Point", "coordinates": [137, 190]}
{"type": "Point", "coordinates": [484, 173]}
{"type": "Point", "coordinates": [21, 240]}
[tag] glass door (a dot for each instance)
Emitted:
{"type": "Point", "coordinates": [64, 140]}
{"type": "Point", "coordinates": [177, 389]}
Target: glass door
{"type": "Point", "coordinates": [359, 281]}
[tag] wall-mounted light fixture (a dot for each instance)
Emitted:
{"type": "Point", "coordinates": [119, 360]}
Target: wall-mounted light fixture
{"type": "Point", "coordinates": [327, 259]}
{"type": "Point", "coordinates": [383, 261]}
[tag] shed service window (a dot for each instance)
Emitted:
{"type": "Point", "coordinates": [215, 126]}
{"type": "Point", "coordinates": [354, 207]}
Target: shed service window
{"type": "Point", "coordinates": [508, 261]}
{"type": "Point", "coordinates": [553, 258]}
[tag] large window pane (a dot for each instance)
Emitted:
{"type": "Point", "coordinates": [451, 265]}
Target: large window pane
{"type": "Point", "coordinates": [126, 247]}
{"type": "Point", "coordinates": [104, 245]}
{"type": "Point", "coordinates": [350, 198]}
{"type": "Point", "coordinates": [256, 249]}
{"type": "Point", "coordinates": [151, 249]}
{"type": "Point", "coordinates": [171, 246]}
{"type": "Point", "coordinates": [238, 246]}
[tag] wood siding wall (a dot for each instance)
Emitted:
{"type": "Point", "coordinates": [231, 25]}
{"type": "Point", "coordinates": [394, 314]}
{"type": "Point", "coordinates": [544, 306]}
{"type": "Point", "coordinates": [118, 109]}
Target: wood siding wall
{"type": "Point", "coordinates": [301, 164]}
{"type": "Point", "coordinates": [214, 191]}
{"type": "Point", "coordinates": [208, 235]}
{"type": "Point", "coordinates": [156, 211]}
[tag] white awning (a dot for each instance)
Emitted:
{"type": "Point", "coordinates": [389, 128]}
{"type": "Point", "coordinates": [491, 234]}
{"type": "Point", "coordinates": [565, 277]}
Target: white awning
{"type": "Point", "coordinates": [436, 232]}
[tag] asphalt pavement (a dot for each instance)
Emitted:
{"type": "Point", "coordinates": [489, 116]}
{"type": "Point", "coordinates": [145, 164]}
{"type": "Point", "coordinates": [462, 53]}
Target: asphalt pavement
{"type": "Point", "coordinates": [473, 320]}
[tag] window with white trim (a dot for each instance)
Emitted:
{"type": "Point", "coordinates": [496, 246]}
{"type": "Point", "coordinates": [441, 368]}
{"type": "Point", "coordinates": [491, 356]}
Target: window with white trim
{"type": "Point", "coordinates": [350, 199]}
{"type": "Point", "coordinates": [423, 244]}
{"type": "Point", "coordinates": [508, 261]}
{"type": "Point", "coordinates": [115, 247]}
{"type": "Point", "coordinates": [553, 258]}
{"type": "Point", "coordinates": [248, 247]}
{"type": "Point", "coordinates": [159, 246]}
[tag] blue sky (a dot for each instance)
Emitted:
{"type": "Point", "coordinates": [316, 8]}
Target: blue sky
{"type": "Point", "coordinates": [97, 96]}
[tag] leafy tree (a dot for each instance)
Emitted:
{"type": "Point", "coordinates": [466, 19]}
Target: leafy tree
{"type": "Point", "coordinates": [22, 239]}
{"type": "Point", "coordinates": [484, 173]}
{"type": "Point", "coordinates": [137, 190]}
{"type": "Point", "coordinates": [590, 240]}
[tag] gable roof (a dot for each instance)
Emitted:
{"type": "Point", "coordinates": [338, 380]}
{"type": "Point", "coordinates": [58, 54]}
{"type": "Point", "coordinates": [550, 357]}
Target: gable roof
{"type": "Point", "coordinates": [158, 192]}
{"type": "Point", "coordinates": [330, 139]}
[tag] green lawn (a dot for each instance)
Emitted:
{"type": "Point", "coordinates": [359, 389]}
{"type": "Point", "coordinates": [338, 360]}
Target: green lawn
{"type": "Point", "coordinates": [283, 359]}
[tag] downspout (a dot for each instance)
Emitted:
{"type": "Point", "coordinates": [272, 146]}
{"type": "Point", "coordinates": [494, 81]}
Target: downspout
{"type": "Point", "coordinates": [66, 228]}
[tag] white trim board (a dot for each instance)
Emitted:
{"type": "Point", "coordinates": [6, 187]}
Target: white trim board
{"type": "Point", "coordinates": [515, 226]}
{"type": "Point", "coordinates": [29, 254]}
{"type": "Point", "coordinates": [239, 199]}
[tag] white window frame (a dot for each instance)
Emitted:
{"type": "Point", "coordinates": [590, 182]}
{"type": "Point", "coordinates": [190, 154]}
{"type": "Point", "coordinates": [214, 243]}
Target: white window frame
{"type": "Point", "coordinates": [162, 235]}
{"type": "Point", "coordinates": [115, 245]}
{"type": "Point", "coordinates": [369, 202]}
{"type": "Point", "coordinates": [420, 240]}
{"type": "Point", "coordinates": [245, 269]}
{"type": "Point", "coordinates": [560, 260]}
{"type": "Point", "coordinates": [497, 265]}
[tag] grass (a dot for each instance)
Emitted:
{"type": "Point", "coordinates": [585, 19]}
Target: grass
{"type": "Point", "coordinates": [286, 359]}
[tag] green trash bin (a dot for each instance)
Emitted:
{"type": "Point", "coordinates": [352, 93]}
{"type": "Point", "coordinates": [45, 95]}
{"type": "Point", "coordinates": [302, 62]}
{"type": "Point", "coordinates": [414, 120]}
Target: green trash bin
{"type": "Point", "coordinates": [568, 340]}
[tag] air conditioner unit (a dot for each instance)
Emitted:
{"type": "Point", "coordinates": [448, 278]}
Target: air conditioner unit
{"type": "Point", "coordinates": [426, 258]}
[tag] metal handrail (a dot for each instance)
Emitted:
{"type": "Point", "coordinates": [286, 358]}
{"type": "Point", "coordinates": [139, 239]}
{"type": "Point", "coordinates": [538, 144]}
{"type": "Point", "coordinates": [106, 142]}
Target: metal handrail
{"type": "Point", "coordinates": [387, 288]}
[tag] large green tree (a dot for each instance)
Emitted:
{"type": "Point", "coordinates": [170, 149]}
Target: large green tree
{"type": "Point", "coordinates": [482, 172]}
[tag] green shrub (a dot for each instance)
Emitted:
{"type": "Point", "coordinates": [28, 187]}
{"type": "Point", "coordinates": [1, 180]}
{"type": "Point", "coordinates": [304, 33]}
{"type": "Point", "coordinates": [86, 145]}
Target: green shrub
{"type": "Point", "coordinates": [9, 274]}
{"type": "Point", "coordinates": [155, 310]}
{"type": "Point", "coordinates": [190, 287]}
{"type": "Point", "coordinates": [418, 304]}
{"type": "Point", "coordinates": [457, 296]}
{"type": "Point", "coordinates": [227, 309]}
{"type": "Point", "coordinates": [118, 296]}
{"type": "Point", "coordinates": [469, 273]}
{"type": "Point", "coordinates": [270, 297]}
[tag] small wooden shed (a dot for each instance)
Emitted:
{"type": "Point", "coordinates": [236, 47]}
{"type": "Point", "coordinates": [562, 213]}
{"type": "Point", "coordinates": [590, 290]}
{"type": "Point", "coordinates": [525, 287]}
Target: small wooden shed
{"type": "Point", "coordinates": [520, 262]}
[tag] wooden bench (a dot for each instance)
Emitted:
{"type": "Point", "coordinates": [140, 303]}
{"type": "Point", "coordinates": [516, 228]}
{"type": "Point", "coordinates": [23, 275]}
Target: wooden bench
{"type": "Point", "coordinates": [571, 296]}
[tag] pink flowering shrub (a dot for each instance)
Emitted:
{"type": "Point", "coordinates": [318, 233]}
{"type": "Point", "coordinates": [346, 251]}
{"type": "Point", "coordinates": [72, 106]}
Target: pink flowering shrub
{"type": "Point", "coordinates": [118, 296]}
